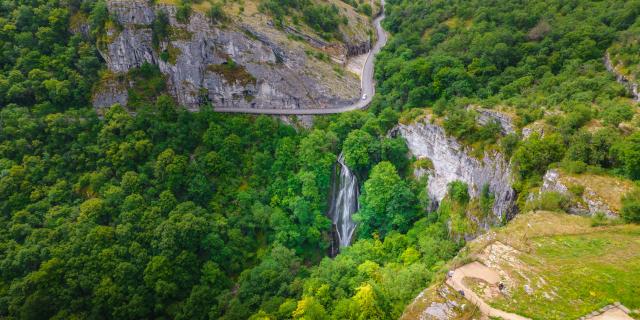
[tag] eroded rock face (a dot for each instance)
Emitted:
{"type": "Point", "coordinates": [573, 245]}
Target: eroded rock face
{"type": "Point", "coordinates": [266, 72]}
{"type": "Point", "coordinates": [622, 79]}
{"type": "Point", "coordinates": [452, 161]}
{"type": "Point", "coordinates": [590, 201]}
{"type": "Point", "coordinates": [112, 91]}
{"type": "Point", "coordinates": [487, 115]}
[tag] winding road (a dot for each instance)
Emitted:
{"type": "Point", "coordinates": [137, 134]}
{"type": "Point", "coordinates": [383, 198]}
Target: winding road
{"type": "Point", "coordinates": [367, 84]}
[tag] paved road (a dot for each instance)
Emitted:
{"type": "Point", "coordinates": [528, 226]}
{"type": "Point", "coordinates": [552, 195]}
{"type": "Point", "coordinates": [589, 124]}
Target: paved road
{"type": "Point", "coordinates": [480, 271]}
{"type": "Point", "coordinates": [368, 84]}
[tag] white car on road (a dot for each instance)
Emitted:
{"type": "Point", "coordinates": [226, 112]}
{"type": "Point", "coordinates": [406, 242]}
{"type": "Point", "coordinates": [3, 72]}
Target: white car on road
{"type": "Point", "coordinates": [364, 96]}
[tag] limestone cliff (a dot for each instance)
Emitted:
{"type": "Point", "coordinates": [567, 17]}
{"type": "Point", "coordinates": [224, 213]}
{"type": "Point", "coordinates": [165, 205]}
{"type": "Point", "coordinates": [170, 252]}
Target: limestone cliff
{"type": "Point", "coordinates": [245, 63]}
{"type": "Point", "coordinates": [452, 161]}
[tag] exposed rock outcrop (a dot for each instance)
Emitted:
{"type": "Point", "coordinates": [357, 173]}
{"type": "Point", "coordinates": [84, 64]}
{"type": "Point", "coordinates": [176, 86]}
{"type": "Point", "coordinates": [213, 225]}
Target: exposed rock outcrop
{"type": "Point", "coordinates": [588, 193]}
{"type": "Point", "coordinates": [231, 66]}
{"type": "Point", "coordinates": [487, 115]}
{"type": "Point", "coordinates": [452, 161]}
{"type": "Point", "coordinates": [111, 91]}
{"type": "Point", "coordinates": [630, 84]}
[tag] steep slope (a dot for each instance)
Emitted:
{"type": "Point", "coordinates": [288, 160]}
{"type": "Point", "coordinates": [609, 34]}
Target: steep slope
{"type": "Point", "coordinates": [238, 59]}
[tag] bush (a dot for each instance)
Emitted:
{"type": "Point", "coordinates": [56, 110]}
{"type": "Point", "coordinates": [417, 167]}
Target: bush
{"type": "Point", "coordinates": [183, 12]}
{"type": "Point", "coordinates": [631, 207]}
{"type": "Point", "coordinates": [548, 201]}
{"type": "Point", "coordinates": [459, 191]}
{"type": "Point", "coordinates": [574, 167]}
{"type": "Point", "coordinates": [216, 14]}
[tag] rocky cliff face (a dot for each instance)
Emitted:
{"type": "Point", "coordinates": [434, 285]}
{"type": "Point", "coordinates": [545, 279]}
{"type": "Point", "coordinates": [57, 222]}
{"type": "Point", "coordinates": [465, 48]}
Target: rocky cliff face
{"type": "Point", "coordinates": [231, 66]}
{"type": "Point", "coordinates": [452, 161]}
{"type": "Point", "coordinates": [588, 194]}
{"type": "Point", "coordinates": [621, 78]}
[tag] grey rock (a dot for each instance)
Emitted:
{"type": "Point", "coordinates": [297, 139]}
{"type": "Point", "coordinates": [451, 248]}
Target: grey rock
{"type": "Point", "coordinates": [130, 49]}
{"type": "Point", "coordinates": [275, 76]}
{"type": "Point", "coordinates": [487, 115]}
{"type": "Point", "coordinates": [131, 12]}
{"type": "Point", "coordinates": [452, 161]}
{"type": "Point", "coordinates": [110, 92]}
{"type": "Point", "coordinates": [587, 204]}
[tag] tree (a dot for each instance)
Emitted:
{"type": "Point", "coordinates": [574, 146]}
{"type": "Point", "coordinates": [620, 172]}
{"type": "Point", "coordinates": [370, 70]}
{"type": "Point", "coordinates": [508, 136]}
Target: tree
{"type": "Point", "coordinates": [309, 309]}
{"type": "Point", "coordinates": [631, 207]}
{"type": "Point", "coordinates": [629, 153]}
{"type": "Point", "coordinates": [367, 303]}
{"type": "Point", "coordinates": [386, 203]}
{"type": "Point", "coordinates": [360, 151]}
{"type": "Point", "coordinates": [534, 154]}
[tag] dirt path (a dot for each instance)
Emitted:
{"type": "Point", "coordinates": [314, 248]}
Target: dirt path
{"type": "Point", "coordinates": [479, 271]}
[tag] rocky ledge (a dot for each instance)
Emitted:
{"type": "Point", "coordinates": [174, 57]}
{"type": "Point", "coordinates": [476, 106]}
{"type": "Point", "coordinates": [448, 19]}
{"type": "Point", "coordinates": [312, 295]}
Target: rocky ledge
{"type": "Point", "coordinates": [234, 65]}
{"type": "Point", "coordinates": [588, 194]}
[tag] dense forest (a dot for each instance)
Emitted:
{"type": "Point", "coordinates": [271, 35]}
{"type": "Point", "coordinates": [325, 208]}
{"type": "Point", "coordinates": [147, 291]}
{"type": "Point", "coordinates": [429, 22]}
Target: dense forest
{"type": "Point", "coordinates": [172, 214]}
{"type": "Point", "coordinates": [541, 61]}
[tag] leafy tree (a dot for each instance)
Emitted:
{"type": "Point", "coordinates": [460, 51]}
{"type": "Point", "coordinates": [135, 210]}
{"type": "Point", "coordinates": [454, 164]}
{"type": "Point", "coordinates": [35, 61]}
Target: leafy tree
{"type": "Point", "coordinates": [629, 153]}
{"type": "Point", "coordinates": [535, 154]}
{"type": "Point", "coordinates": [386, 203]}
{"type": "Point", "coordinates": [360, 150]}
{"type": "Point", "coordinates": [631, 207]}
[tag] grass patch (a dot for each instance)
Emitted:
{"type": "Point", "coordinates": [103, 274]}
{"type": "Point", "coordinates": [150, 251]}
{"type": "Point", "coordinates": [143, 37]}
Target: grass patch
{"type": "Point", "coordinates": [171, 54]}
{"type": "Point", "coordinates": [233, 72]}
{"type": "Point", "coordinates": [587, 271]}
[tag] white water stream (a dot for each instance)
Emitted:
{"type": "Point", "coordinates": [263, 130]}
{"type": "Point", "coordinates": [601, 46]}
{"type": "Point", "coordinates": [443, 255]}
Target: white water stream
{"type": "Point", "coordinates": [344, 203]}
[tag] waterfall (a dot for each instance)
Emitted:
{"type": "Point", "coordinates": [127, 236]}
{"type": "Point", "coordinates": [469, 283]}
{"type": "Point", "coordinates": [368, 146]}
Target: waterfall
{"type": "Point", "coordinates": [344, 203]}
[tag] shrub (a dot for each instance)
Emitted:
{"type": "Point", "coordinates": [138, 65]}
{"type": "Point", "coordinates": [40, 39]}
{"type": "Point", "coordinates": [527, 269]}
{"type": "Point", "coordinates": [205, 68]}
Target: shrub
{"type": "Point", "coordinates": [631, 207]}
{"type": "Point", "coordinates": [216, 14]}
{"type": "Point", "coordinates": [548, 201]}
{"type": "Point", "coordinates": [183, 12]}
{"type": "Point", "coordinates": [459, 191]}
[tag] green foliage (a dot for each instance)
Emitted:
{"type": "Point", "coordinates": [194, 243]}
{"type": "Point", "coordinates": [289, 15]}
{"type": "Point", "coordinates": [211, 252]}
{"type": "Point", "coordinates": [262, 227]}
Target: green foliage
{"type": "Point", "coordinates": [361, 151]}
{"type": "Point", "coordinates": [323, 18]}
{"type": "Point", "coordinates": [548, 201]}
{"type": "Point", "coordinates": [534, 154]}
{"type": "Point", "coordinates": [152, 215]}
{"type": "Point", "coordinates": [629, 153]}
{"type": "Point", "coordinates": [375, 279]}
{"type": "Point", "coordinates": [184, 11]}
{"type": "Point", "coordinates": [216, 13]}
{"type": "Point", "coordinates": [631, 207]}
{"type": "Point", "coordinates": [149, 84]}
{"type": "Point", "coordinates": [386, 203]}
{"type": "Point", "coordinates": [160, 28]}
{"type": "Point", "coordinates": [459, 192]}
{"type": "Point", "coordinates": [44, 66]}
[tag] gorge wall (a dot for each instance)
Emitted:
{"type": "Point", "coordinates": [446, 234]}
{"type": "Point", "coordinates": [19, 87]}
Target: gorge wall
{"type": "Point", "coordinates": [452, 161]}
{"type": "Point", "coordinates": [241, 64]}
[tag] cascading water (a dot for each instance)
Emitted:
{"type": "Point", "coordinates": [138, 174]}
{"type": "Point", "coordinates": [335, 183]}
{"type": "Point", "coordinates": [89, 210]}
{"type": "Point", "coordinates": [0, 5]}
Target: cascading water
{"type": "Point", "coordinates": [344, 203]}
